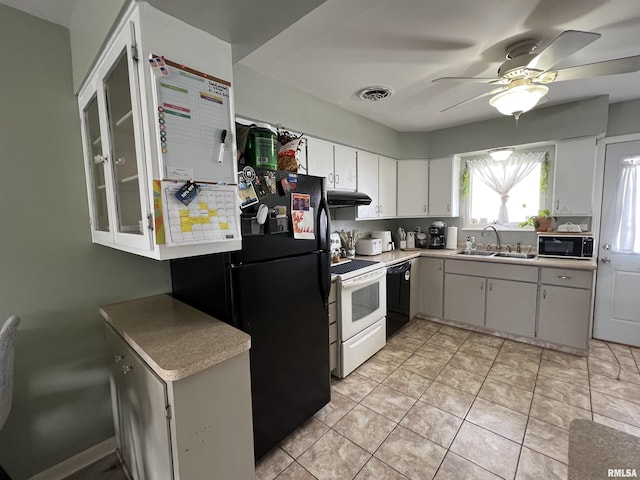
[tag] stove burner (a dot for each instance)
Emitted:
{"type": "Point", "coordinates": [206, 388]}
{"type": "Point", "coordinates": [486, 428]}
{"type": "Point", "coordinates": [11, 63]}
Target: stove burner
{"type": "Point", "coordinates": [351, 266]}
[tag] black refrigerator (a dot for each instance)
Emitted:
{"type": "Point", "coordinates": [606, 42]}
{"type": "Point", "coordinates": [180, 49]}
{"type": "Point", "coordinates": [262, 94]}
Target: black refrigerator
{"type": "Point", "coordinates": [275, 289]}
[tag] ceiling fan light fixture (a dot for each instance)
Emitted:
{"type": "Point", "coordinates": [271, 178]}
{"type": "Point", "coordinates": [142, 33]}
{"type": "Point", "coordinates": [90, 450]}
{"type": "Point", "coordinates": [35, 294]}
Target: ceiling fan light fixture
{"type": "Point", "coordinates": [521, 97]}
{"type": "Point", "coordinates": [500, 154]}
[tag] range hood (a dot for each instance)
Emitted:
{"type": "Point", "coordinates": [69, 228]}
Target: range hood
{"type": "Point", "coordinates": [341, 198]}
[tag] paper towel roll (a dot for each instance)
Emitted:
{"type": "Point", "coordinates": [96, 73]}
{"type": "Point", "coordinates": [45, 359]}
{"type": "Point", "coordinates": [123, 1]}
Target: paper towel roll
{"type": "Point", "coordinates": [452, 238]}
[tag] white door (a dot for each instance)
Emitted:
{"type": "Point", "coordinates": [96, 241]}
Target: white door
{"type": "Point", "coordinates": [617, 316]}
{"type": "Point", "coordinates": [368, 183]}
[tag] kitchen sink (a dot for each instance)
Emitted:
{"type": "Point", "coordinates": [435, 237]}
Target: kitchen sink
{"type": "Point", "coordinates": [515, 255]}
{"type": "Point", "coordinates": [477, 254]}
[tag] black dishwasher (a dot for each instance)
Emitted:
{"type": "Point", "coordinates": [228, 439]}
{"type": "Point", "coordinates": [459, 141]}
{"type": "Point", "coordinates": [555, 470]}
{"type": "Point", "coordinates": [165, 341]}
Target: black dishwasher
{"type": "Point", "coordinates": [398, 296]}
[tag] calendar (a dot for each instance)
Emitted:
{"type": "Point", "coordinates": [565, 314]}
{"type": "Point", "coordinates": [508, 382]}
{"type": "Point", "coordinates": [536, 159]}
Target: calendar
{"type": "Point", "coordinates": [212, 216]}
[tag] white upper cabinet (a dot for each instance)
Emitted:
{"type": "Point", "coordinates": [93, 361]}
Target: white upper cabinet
{"type": "Point", "coordinates": [387, 191]}
{"type": "Point", "coordinates": [344, 167]}
{"type": "Point", "coordinates": [123, 135]}
{"type": "Point", "coordinates": [320, 160]}
{"type": "Point", "coordinates": [114, 154]}
{"type": "Point", "coordinates": [368, 183]}
{"type": "Point", "coordinates": [335, 162]}
{"type": "Point", "coordinates": [377, 178]}
{"type": "Point", "coordinates": [444, 187]}
{"type": "Point", "coordinates": [413, 188]}
{"type": "Point", "coordinates": [574, 176]}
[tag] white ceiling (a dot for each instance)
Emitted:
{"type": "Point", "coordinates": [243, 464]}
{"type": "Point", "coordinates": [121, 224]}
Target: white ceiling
{"type": "Point", "coordinates": [344, 45]}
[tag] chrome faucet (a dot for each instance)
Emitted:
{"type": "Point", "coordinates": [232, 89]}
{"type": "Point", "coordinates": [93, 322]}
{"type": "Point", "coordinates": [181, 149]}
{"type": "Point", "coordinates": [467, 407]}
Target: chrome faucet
{"type": "Point", "coordinates": [484, 233]}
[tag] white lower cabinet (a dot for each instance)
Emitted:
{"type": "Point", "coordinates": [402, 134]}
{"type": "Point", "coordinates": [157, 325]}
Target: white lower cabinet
{"type": "Point", "coordinates": [431, 283]}
{"type": "Point", "coordinates": [195, 428]}
{"type": "Point", "coordinates": [139, 400]}
{"type": "Point", "coordinates": [464, 298]}
{"type": "Point", "coordinates": [565, 307]}
{"type": "Point", "coordinates": [511, 306]}
{"type": "Point", "coordinates": [554, 306]}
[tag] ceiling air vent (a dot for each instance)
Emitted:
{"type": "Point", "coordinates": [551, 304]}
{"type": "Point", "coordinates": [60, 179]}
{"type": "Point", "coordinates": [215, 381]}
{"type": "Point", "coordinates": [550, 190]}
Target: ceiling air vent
{"type": "Point", "coordinates": [373, 94]}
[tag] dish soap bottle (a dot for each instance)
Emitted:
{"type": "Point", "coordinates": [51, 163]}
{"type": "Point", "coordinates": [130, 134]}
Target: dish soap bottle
{"type": "Point", "coordinates": [474, 245]}
{"type": "Point", "coordinates": [467, 245]}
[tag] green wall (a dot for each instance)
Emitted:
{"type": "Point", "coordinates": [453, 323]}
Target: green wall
{"type": "Point", "coordinates": [263, 98]}
{"type": "Point", "coordinates": [569, 120]}
{"type": "Point", "coordinates": [50, 272]}
{"type": "Point", "coordinates": [91, 22]}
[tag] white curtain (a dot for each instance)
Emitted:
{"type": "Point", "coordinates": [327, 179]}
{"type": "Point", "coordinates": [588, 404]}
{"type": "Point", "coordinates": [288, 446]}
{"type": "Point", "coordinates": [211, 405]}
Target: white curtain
{"type": "Point", "coordinates": [502, 176]}
{"type": "Point", "coordinates": [627, 236]}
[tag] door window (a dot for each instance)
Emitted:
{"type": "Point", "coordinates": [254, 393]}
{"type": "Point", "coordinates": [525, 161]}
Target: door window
{"type": "Point", "coordinates": [626, 236]}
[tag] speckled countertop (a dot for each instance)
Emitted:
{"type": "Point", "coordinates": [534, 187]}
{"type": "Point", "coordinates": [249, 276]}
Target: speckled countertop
{"type": "Point", "coordinates": [594, 449]}
{"type": "Point", "coordinates": [395, 256]}
{"type": "Point", "coordinates": [174, 339]}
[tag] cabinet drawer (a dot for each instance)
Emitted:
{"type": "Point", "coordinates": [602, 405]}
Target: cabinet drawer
{"type": "Point", "coordinates": [333, 332]}
{"type": "Point", "coordinates": [333, 356]}
{"type": "Point", "coordinates": [332, 293]}
{"type": "Point", "coordinates": [567, 278]}
{"type": "Point", "coordinates": [520, 273]}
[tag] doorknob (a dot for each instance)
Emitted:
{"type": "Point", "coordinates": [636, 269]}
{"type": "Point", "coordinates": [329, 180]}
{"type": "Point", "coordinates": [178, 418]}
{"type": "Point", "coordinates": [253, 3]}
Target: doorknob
{"type": "Point", "coordinates": [605, 260]}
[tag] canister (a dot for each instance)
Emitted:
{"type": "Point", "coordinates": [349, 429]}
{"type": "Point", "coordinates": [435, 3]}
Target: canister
{"type": "Point", "coordinates": [261, 146]}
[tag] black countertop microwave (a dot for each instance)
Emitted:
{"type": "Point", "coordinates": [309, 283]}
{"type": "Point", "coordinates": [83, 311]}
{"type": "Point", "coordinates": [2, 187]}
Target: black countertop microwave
{"type": "Point", "coordinates": [565, 246]}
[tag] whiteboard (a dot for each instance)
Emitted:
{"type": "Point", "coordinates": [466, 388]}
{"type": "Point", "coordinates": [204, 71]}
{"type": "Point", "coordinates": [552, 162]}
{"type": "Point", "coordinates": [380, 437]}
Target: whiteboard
{"type": "Point", "coordinates": [192, 109]}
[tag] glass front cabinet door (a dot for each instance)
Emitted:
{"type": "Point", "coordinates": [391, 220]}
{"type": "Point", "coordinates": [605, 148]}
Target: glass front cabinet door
{"type": "Point", "coordinates": [114, 149]}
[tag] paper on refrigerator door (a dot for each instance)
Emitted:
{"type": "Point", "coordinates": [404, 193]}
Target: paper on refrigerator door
{"type": "Point", "coordinates": [302, 216]}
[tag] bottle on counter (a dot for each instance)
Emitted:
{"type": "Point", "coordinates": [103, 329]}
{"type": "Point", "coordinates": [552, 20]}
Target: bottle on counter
{"type": "Point", "coordinates": [474, 244]}
{"type": "Point", "coordinates": [467, 245]}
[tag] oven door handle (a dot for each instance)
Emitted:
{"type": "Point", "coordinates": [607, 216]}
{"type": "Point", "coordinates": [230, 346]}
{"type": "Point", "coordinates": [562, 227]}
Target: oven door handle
{"type": "Point", "coordinates": [349, 284]}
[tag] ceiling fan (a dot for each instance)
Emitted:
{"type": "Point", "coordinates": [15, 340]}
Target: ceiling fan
{"type": "Point", "coordinates": [524, 77]}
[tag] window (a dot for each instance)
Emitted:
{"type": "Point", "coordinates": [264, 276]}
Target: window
{"type": "Point", "coordinates": [518, 181]}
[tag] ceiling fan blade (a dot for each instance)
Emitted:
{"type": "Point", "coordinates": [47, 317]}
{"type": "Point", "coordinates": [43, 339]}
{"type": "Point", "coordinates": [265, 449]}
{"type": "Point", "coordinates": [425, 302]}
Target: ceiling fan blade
{"type": "Point", "coordinates": [491, 92]}
{"type": "Point", "coordinates": [608, 67]}
{"type": "Point", "coordinates": [565, 44]}
{"type": "Point", "coordinates": [464, 79]}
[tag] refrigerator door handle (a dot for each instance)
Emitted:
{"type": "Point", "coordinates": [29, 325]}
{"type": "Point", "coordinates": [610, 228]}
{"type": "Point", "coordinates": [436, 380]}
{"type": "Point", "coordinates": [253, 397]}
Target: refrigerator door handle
{"type": "Point", "coordinates": [324, 258]}
{"type": "Point", "coordinates": [325, 276]}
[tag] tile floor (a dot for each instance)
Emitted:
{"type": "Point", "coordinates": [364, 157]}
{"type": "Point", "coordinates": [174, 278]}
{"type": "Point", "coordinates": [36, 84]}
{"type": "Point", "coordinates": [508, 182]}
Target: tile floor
{"type": "Point", "coordinates": [444, 403]}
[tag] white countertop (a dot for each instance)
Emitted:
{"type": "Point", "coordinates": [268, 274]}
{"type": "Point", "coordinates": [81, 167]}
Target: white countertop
{"type": "Point", "coordinates": [395, 256]}
{"type": "Point", "coordinates": [174, 339]}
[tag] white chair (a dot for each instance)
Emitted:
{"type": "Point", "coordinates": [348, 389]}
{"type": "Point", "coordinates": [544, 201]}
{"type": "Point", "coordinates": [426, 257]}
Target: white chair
{"type": "Point", "coordinates": [7, 347]}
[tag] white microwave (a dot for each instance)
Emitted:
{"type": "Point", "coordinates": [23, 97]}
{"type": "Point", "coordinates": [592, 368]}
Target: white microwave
{"type": "Point", "coordinates": [565, 246]}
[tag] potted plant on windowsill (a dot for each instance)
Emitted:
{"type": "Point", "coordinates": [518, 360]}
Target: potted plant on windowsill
{"type": "Point", "coordinates": [540, 222]}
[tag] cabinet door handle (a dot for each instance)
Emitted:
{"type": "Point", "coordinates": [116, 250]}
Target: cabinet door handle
{"type": "Point", "coordinates": [557, 205]}
{"type": "Point", "coordinates": [564, 277]}
{"type": "Point", "coordinates": [377, 209]}
{"type": "Point", "coordinates": [380, 208]}
{"type": "Point", "coordinates": [424, 208]}
{"type": "Point", "coordinates": [482, 286]}
{"type": "Point", "coordinates": [126, 369]}
{"type": "Point", "coordinates": [331, 178]}
{"type": "Point", "coordinates": [118, 358]}
{"type": "Point", "coordinates": [337, 178]}
{"type": "Point", "coordinates": [448, 207]}
{"type": "Point", "coordinates": [100, 159]}
{"type": "Point", "coordinates": [440, 266]}
{"type": "Point", "coordinates": [491, 286]}
{"type": "Point", "coordinates": [544, 293]}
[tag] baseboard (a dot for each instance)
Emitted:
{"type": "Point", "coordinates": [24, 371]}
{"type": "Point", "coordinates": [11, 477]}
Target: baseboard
{"type": "Point", "coordinates": [78, 462]}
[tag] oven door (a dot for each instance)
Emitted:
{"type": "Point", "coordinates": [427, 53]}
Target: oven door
{"type": "Point", "coordinates": [362, 302]}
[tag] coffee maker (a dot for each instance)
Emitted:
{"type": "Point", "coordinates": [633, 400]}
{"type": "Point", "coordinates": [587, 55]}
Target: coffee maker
{"type": "Point", "coordinates": [437, 237]}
